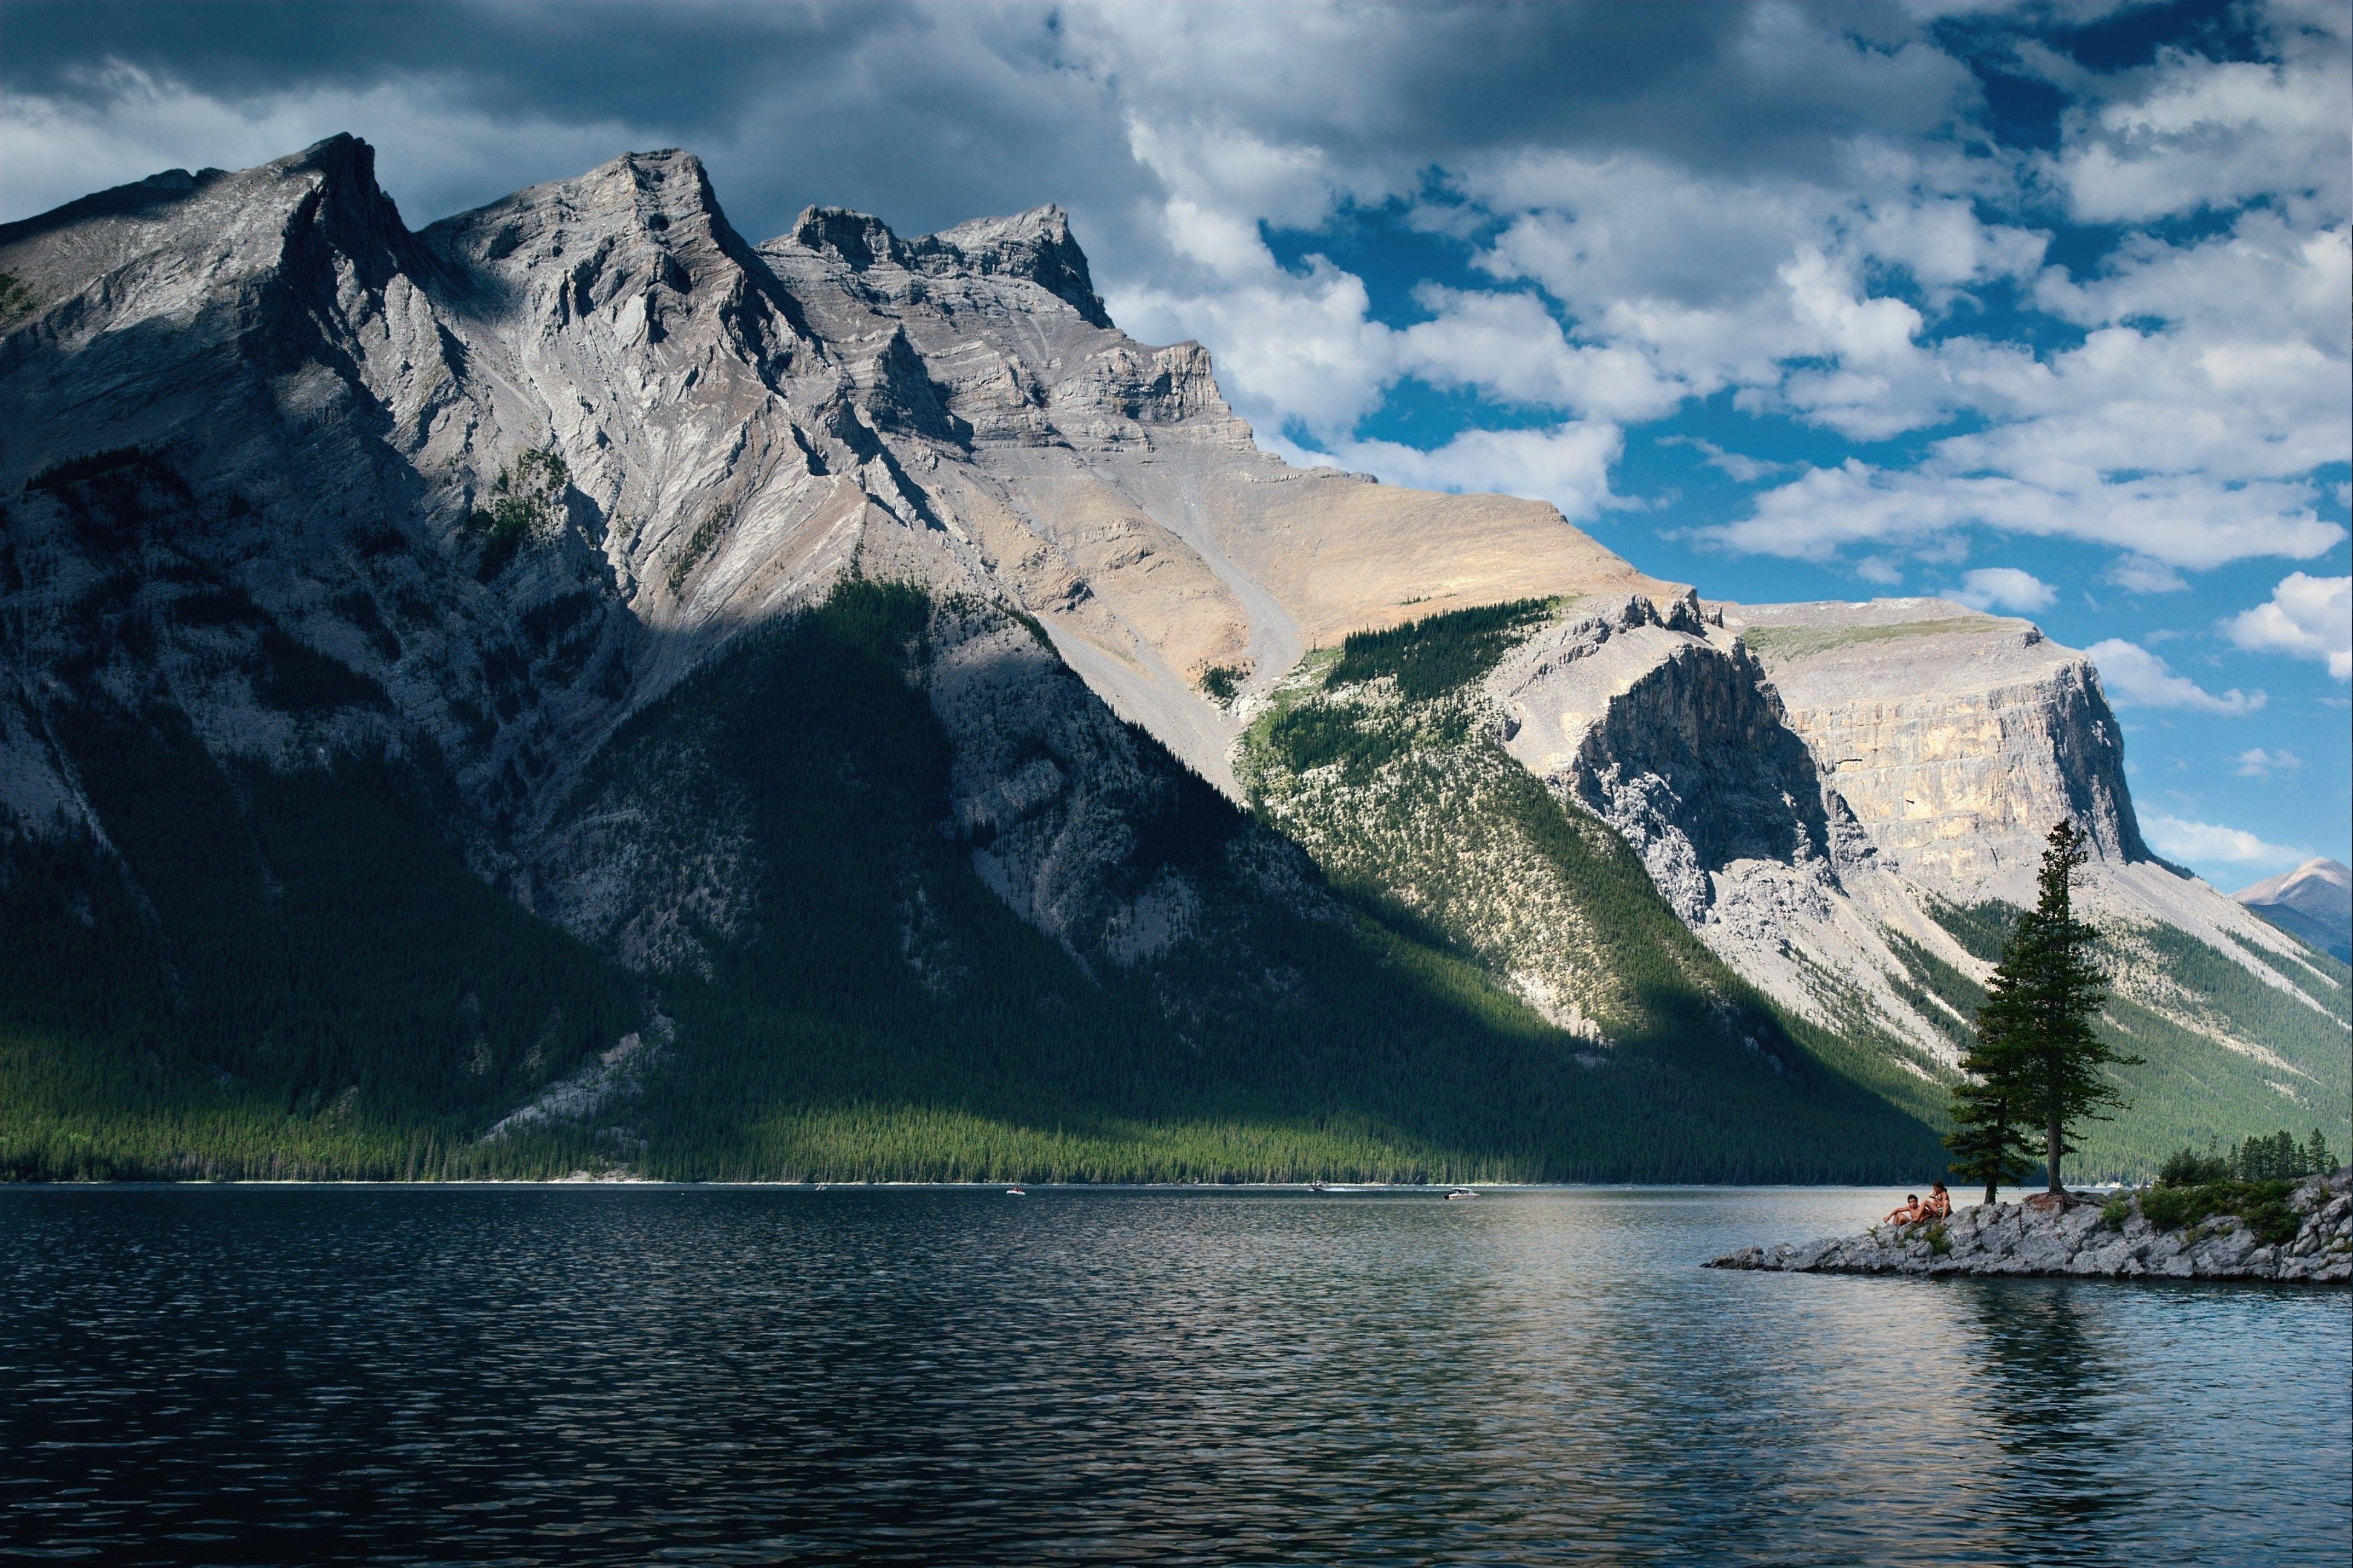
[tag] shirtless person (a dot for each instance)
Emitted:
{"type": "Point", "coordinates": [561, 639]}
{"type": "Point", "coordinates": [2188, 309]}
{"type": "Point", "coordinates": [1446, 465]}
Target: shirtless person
{"type": "Point", "coordinates": [1938, 1206]}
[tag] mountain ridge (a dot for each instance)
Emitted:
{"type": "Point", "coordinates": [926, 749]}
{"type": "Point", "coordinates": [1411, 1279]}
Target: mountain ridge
{"type": "Point", "coordinates": [2314, 902]}
{"type": "Point", "coordinates": [297, 486]}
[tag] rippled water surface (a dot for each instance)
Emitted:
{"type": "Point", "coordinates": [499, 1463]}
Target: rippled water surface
{"type": "Point", "coordinates": [608, 1375]}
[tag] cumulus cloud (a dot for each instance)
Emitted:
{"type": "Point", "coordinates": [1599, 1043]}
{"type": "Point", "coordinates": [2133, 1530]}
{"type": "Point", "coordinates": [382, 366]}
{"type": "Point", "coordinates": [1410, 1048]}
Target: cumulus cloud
{"type": "Point", "coordinates": [2307, 618]}
{"type": "Point", "coordinates": [2191, 133]}
{"type": "Point", "coordinates": [2210, 842]}
{"type": "Point", "coordinates": [2140, 574]}
{"type": "Point", "coordinates": [2004, 587]}
{"type": "Point", "coordinates": [1803, 207]}
{"type": "Point", "coordinates": [2258, 763]}
{"type": "Point", "coordinates": [1741, 466]}
{"type": "Point", "coordinates": [2186, 520]}
{"type": "Point", "coordinates": [1567, 465]}
{"type": "Point", "coordinates": [1509, 347]}
{"type": "Point", "coordinates": [2136, 678]}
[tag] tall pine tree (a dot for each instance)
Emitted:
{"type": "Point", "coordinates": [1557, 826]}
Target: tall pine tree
{"type": "Point", "coordinates": [2039, 1064]}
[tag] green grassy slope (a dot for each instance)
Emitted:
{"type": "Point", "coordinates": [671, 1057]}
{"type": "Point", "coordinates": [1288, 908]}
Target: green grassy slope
{"type": "Point", "coordinates": [299, 976]}
{"type": "Point", "coordinates": [1275, 1044]}
{"type": "Point", "coordinates": [1375, 757]}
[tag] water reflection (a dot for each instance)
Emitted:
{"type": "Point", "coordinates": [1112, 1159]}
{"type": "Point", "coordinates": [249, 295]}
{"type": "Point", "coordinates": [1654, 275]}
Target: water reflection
{"type": "Point", "coordinates": [912, 1376]}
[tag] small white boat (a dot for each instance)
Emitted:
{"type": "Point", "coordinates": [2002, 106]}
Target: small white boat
{"type": "Point", "coordinates": [1015, 1193]}
{"type": "Point", "coordinates": [1460, 1193]}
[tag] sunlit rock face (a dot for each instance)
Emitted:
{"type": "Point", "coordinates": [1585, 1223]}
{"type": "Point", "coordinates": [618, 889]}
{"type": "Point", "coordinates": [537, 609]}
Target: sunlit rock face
{"type": "Point", "coordinates": [1815, 787]}
{"type": "Point", "coordinates": [1955, 737]}
{"type": "Point", "coordinates": [330, 400]}
{"type": "Point", "coordinates": [324, 405]}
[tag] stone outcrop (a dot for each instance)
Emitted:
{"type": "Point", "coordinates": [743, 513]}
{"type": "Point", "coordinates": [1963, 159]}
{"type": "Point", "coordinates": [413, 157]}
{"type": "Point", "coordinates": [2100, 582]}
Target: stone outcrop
{"type": "Point", "coordinates": [1956, 739]}
{"type": "Point", "coordinates": [1661, 725]}
{"type": "Point", "coordinates": [2088, 1235]}
{"type": "Point", "coordinates": [1816, 788]}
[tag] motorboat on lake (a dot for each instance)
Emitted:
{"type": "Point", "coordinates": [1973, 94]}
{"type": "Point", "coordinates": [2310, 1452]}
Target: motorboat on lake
{"type": "Point", "coordinates": [1460, 1193]}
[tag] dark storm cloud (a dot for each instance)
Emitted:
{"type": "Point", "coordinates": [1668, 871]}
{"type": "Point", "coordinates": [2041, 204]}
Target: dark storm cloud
{"type": "Point", "coordinates": [930, 114]}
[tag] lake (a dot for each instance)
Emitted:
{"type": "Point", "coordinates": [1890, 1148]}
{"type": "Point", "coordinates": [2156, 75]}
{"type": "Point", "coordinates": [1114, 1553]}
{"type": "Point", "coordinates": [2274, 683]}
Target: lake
{"type": "Point", "coordinates": [622, 1375]}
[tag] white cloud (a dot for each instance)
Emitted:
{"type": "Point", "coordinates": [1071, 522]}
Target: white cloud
{"type": "Point", "coordinates": [1743, 468]}
{"type": "Point", "coordinates": [2308, 617]}
{"type": "Point", "coordinates": [2263, 280]}
{"type": "Point", "coordinates": [2179, 520]}
{"type": "Point", "coordinates": [2140, 574]}
{"type": "Point", "coordinates": [1567, 465]}
{"type": "Point", "coordinates": [2004, 587]}
{"type": "Point", "coordinates": [2209, 842]}
{"type": "Point", "coordinates": [2136, 678]}
{"type": "Point", "coordinates": [2258, 763]}
{"type": "Point", "coordinates": [2201, 133]}
{"type": "Point", "coordinates": [1509, 347]}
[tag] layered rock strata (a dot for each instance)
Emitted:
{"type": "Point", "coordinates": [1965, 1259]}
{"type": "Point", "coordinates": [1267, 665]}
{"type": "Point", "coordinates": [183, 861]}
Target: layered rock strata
{"type": "Point", "coordinates": [255, 425]}
{"type": "Point", "coordinates": [1816, 787]}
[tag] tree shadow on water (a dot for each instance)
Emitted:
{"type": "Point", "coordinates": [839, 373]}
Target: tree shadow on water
{"type": "Point", "coordinates": [2047, 1391]}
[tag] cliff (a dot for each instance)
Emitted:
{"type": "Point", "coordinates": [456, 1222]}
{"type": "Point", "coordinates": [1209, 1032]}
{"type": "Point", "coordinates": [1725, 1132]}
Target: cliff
{"type": "Point", "coordinates": [604, 551]}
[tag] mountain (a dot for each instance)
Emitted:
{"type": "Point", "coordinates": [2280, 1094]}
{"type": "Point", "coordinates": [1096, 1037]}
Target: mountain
{"type": "Point", "coordinates": [569, 687]}
{"type": "Point", "coordinates": [2314, 902]}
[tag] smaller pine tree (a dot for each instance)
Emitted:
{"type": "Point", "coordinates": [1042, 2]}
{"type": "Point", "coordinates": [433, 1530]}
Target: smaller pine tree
{"type": "Point", "coordinates": [1988, 1141]}
{"type": "Point", "coordinates": [2317, 1160]}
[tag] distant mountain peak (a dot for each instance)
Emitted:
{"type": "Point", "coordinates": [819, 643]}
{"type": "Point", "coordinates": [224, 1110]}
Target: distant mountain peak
{"type": "Point", "coordinates": [2315, 902]}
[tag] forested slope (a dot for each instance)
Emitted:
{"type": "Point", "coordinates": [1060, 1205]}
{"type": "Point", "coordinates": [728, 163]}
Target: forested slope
{"type": "Point", "coordinates": [323, 990]}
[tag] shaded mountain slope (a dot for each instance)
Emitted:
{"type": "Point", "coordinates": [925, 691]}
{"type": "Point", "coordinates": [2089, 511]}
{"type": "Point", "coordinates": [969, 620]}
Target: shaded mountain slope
{"type": "Point", "coordinates": [2314, 902]}
{"type": "Point", "coordinates": [808, 684]}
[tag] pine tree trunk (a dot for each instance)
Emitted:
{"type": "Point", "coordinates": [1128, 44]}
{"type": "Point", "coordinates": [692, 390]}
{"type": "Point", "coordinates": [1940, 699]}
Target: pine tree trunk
{"type": "Point", "coordinates": [2050, 1153]}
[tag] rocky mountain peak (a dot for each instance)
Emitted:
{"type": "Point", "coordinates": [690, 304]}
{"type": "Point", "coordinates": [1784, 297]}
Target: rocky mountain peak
{"type": "Point", "coordinates": [2315, 902]}
{"type": "Point", "coordinates": [1036, 245]}
{"type": "Point", "coordinates": [489, 491]}
{"type": "Point", "coordinates": [859, 238]}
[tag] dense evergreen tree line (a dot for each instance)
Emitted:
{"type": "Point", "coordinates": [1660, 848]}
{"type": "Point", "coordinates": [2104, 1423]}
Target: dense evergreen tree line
{"type": "Point", "coordinates": [299, 975]}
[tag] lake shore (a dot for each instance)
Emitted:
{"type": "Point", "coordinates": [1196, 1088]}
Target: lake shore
{"type": "Point", "coordinates": [2083, 1235]}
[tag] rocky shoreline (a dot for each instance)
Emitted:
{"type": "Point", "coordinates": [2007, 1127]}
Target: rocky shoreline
{"type": "Point", "coordinates": [2094, 1235]}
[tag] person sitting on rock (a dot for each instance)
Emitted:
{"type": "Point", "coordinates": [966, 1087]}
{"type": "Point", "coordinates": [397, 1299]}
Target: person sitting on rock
{"type": "Point", "coordinates": [1939, 1204]}
{"type": "Point", "coordinates": [1907, 1214]}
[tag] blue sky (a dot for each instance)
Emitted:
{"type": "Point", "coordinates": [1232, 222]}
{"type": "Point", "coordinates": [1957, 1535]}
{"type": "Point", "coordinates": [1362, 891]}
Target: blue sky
{"type": "Point", "coordinates": [2043, 307]}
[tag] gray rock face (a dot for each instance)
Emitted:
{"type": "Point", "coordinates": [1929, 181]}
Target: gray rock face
{"type": "Point", "coordinates": [1664, 726]}
{"type": "Point", "coordinates": [312, 410]}
{"type": "Point", "coordinates": [2079, 1237]}
{"type": "Point", "coordinates": [328, 403]}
